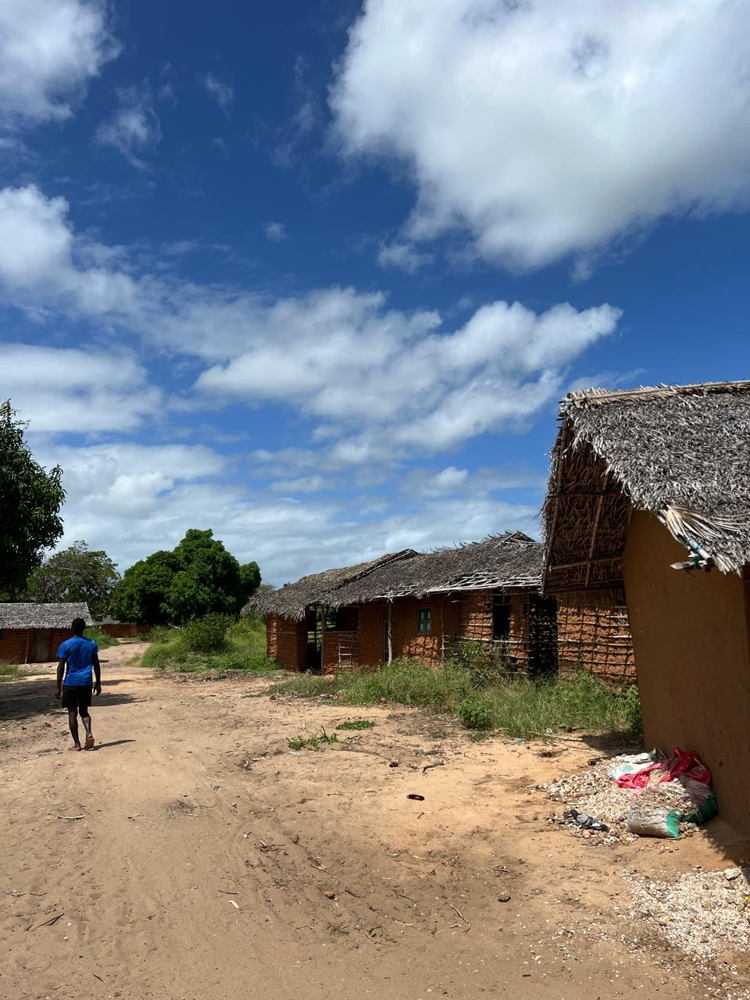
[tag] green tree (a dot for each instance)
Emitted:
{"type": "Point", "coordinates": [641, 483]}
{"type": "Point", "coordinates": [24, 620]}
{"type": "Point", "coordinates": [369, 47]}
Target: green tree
{"type": "Point", "coordinates": [141, 593]}
{"type": "Point", "coordinates": [249, 579]}
{"type": "Point", "coordinates": [199, 577]}
{"type": "Point", "coordinates": [76, 574]}
{"type": "Point", "coordinates": [30, 501]}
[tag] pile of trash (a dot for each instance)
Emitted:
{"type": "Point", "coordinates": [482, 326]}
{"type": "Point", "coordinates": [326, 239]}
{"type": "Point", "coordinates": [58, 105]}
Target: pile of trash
{"type": "Point", "coordinates": [644, 794]}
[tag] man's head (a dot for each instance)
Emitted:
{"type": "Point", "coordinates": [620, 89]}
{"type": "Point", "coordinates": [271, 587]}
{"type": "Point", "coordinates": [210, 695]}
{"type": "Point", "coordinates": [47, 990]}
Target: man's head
{"type": "Point", "coordinates": [78, 626]}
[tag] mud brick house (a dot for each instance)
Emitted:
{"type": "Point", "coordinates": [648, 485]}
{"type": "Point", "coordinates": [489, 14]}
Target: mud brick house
{"type": "Point", "coordinates": [484, 595]}
{"type": "Point", "coordinates": [31, 633]}
{"type": "Point", "coordinates": [649, 502]}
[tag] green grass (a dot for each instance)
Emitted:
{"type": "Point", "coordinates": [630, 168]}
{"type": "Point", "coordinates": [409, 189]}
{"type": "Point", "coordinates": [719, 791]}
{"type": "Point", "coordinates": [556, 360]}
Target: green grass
{"type": "Point", "coordinates": [356, 724]}
{"type": "Point", "coordinates": [245, 650]}
{"type": "Point", "coordinates": [100, 637]}
{"type": "Point", "coordinates": [9, 672]}
{"type": "Point", "coordinates": [314, 742]}
{"type": "Point", "coordinates": [512, 705]}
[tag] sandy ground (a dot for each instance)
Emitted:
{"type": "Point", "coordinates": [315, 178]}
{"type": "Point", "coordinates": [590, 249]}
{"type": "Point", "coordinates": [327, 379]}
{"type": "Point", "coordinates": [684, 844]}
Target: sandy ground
{"type": "Point", "coordinates": [192, 856]}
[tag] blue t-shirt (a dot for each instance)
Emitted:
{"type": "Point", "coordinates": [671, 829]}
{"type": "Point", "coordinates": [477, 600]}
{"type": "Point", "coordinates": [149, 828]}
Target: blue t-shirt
{"type": "Point", "coordinates": [78, 654]}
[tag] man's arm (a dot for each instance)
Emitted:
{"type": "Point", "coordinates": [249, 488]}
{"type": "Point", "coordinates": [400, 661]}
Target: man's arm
{"type": "Point", "coordinates": [97, 674]}
{"type": "Point", "coordinates": [60, 672]}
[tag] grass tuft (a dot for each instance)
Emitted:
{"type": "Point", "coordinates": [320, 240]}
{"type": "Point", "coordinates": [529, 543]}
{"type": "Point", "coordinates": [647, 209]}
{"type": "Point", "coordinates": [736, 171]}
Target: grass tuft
{"type": "Point", "coordinates": [9, 672]}
{"type": "Point", "coordinates": [512, 705]}
{"type": "Point", "coordinates": [314, 742]}
{"type": "Point", "coordinates": [356, 724]}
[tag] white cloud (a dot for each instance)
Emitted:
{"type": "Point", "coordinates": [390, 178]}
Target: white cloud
{"type": "Point", "coordinates": [48, 50]}
{"type": "Point", "coordinates": [452, 481]}
{"type": "Point", "coordinates": [403, 257]}
{"type": "Point", "coordinates": [552, 127]}
{"type": "Point", "coordinates": [276, 232]}
{"type": "Point", "coordinates": [60, 389]}
{"type": "Point", "coordinates": [376, 380]}
{"type": "Point", "coordinates": [394, 378]}
{"type": "Point", "coordinates": [131, 500]}
{"type": "Point", "coordinates": [134, 129]}
{"type": "Point", "coordinates": [222, 93]}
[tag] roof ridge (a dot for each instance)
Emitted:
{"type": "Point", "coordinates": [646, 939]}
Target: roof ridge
{"type": "Point", "coordinates": [596, 396]}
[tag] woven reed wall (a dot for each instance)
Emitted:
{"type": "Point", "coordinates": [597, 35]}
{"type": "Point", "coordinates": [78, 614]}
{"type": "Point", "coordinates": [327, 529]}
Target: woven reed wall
{"type": "Point", "coordinates": [594, 633]}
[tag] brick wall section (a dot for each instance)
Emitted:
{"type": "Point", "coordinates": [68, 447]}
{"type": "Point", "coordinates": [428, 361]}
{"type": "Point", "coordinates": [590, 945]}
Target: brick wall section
{"type": "Point", "coordinates": [407, 642]}
{"type": "Point", "coordinates": [286, 642]}
{"type": "Point", "coordinates": [476, 622]}
{"type": "Point", "coordinates": [15, 645]}
{"type": "Point", "coordinates": [593, 632]}
{"type": "Point", "coordinates": [124, 630]}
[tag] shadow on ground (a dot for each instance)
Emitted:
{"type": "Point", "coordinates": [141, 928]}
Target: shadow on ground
{"type": "Point", "coordinates": [21, 699]}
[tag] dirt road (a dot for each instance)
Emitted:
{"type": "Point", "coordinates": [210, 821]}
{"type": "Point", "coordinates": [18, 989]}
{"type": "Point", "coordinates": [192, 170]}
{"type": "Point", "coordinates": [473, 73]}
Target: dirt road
{"type": "Point", "coordinates": [192, 856]}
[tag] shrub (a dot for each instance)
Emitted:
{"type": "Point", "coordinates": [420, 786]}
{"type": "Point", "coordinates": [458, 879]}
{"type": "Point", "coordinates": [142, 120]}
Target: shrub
{"type": "Point", "coordinates": [207, 634]}
{"type": "Point", "coordinates": [474, 715]}
{"type": "Point", "coordinates": [100, 637]}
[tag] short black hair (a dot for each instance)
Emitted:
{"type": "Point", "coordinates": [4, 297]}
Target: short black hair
{"type": "Point", "coordinates": [78, 626]}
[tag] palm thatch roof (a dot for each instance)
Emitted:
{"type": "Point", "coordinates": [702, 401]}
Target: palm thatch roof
{"type": "Point", "coordinates": [42, 615]}
{"type": "Point", "coordinates": [508, 561]}
{"type": "Point", "coordinates": [293, 599]}
{"type": "Point", "coordinates": [681, 453]}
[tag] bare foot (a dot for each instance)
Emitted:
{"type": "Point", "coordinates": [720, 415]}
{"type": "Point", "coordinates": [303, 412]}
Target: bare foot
{"type": "Point", "coordinates": [89, 743]}
{"type": "Point", "coordinates": [76, 747]}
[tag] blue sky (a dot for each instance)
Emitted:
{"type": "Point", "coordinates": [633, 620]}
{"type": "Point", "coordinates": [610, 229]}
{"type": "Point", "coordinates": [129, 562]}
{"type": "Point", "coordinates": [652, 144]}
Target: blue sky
{"type": "Point", "coordinates": [315, 275]}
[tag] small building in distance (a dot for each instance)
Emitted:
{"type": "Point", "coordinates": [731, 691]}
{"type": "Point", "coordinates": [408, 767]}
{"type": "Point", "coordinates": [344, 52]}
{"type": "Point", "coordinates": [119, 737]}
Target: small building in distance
{"type": "Point", "coordinates": [421, 606]}
{"type": "Point", "coordinates": [649, 498]}
{"type": "Point", "coordinates": [31, 633]}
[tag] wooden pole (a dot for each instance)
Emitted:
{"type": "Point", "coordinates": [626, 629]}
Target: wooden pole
{"type": "Point", "coordinates": [389, 631]}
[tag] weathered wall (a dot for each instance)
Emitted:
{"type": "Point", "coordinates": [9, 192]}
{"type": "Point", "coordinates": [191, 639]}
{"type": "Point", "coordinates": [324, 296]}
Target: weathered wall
{"type": "Point", "coordinates": [38, 645]}
{"type": "Point", "coordinates": [407, 642]}
{"type": "Point", "coordinates": [124, 630]}
{"type": "Point", "coordinates": [593, 633]}
{"type": "Point", "coordinates": [15, 645]}
{"type": "Point", "coordinates": [476, 623]}
{"type": "Point", "coordinates": [690, 635]}
{"type": "Point", "coordinates": [286, 642]}
{"type": "Point", "coordinates": [372, 633]}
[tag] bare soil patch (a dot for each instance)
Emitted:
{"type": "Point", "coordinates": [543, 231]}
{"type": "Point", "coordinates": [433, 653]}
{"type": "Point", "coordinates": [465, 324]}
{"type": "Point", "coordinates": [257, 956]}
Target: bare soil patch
{"type": "Point", "coordinates": [193, 856]}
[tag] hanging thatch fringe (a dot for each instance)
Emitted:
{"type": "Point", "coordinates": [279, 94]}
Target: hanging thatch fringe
{"type": "Point", "coordinates": [680, 452]}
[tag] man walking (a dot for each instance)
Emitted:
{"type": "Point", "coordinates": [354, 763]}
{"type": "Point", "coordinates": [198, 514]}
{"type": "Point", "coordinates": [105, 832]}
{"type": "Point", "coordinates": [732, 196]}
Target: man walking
{"type": "Point", "coordinates": [77, 659]}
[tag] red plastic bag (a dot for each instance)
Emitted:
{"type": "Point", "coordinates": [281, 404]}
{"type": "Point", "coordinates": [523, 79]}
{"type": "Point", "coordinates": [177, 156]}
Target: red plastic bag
{"type": "Point", "coordinates": [682, 764]}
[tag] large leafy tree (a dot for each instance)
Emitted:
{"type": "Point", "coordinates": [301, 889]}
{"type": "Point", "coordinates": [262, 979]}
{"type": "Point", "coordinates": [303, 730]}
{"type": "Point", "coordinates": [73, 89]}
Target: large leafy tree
{"type": "Point", "coordinates": [76, 574]}
{"type": "Point", "coordinates": [30, 502]}
{"type": "Point", "coordinates": [197, 578]}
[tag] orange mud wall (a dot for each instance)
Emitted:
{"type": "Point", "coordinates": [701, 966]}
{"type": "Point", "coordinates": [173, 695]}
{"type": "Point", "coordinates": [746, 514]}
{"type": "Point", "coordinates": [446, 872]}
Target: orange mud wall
{"type": "Point", "coordinates": [692, 651]}
{"type": "Point", "coordinates": [593, 633]}
{"type": "Point", "coordinates": [286, 642]}
{"type": "Point", "coordinates": [26, 645]}
{"type": "Point", "coordinates": [406, 640]}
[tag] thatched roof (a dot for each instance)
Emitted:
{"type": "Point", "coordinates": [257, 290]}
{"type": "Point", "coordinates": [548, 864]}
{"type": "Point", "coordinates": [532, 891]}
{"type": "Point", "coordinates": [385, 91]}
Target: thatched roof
{"type": "Point", "coordinates": [511, 560]}
{"type": "Point", "coordinates": [506, 561]}
{"type": "Point", "coordinates": [680, 452]}
{"type": "Point", "coordinates": [42, 615]}
{"type": "Point", "coordinates": [293, 599]}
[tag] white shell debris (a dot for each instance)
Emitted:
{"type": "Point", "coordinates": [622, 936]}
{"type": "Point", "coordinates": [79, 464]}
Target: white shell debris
{"type": "Point", "coordinates": [705, 914]}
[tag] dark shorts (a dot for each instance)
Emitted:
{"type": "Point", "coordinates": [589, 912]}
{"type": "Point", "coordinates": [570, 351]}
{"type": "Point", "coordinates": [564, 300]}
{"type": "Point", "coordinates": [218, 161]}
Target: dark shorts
{"type": "Point", "coordinates": [76, 696]}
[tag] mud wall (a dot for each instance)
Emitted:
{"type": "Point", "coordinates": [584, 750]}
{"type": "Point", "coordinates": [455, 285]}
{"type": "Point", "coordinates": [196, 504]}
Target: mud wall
{"type": "Point", "coordinates": [690, 635]}
{"type": "Point", "coordinates": [286, 642]}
